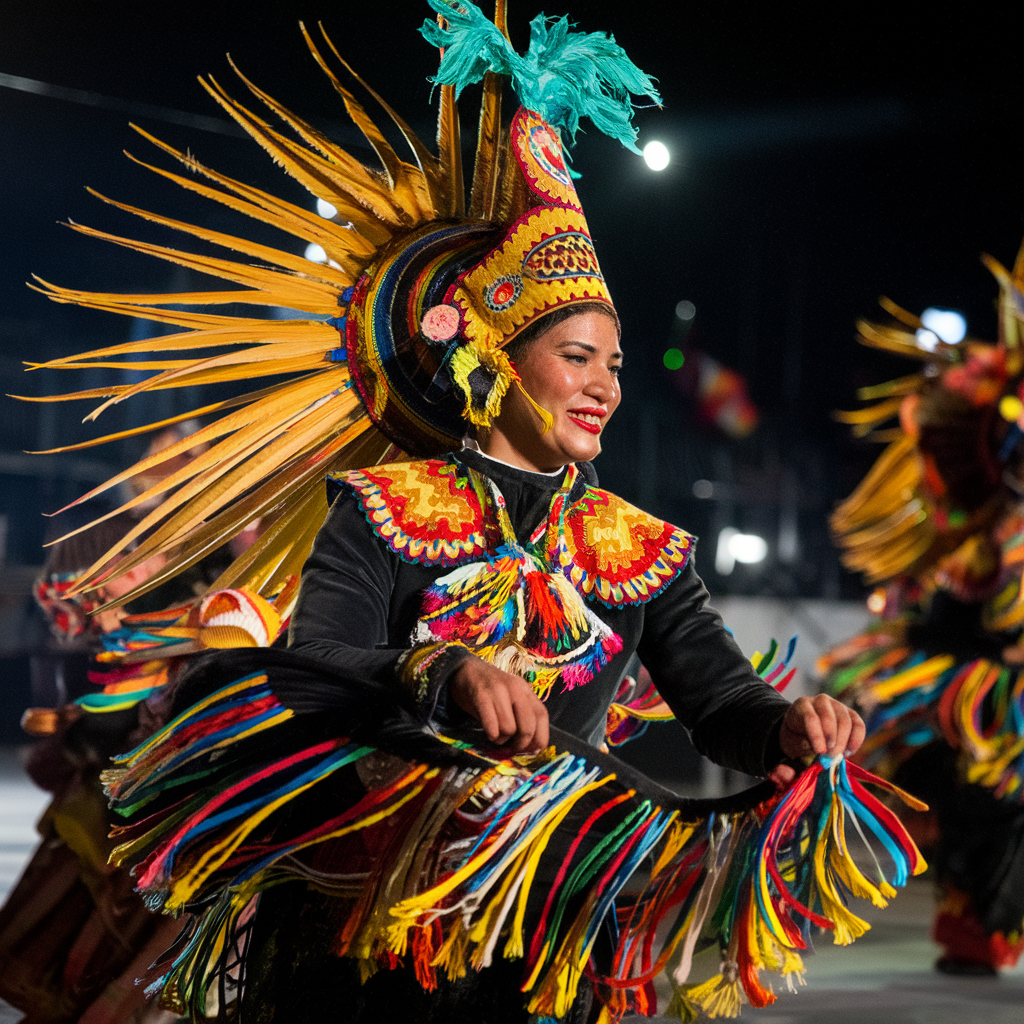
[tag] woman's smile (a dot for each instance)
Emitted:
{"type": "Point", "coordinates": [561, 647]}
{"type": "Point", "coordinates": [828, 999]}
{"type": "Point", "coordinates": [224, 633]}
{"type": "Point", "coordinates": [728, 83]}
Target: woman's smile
{"type": "Point", "coordinates": [589, 419]}
{"type": "Point", "coordinates": [572, 372]}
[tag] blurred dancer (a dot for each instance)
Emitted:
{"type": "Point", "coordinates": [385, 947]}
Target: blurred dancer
{"type": "Point", "coordinates": [75, 938]}
{"type": "Point", "coordinates": [938, 524]}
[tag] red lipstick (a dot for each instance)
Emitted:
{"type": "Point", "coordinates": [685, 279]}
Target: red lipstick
{"type": "Point", "coordinates": [590, 428]}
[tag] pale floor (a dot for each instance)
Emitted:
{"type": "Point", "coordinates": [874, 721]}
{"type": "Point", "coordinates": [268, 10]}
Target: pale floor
{"type": "Point", "coordinates": [21, 803]}
{"type": "Point", "coordinates": [886, 977]}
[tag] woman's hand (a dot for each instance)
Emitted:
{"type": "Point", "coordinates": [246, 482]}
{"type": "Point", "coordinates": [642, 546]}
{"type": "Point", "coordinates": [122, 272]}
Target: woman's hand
{"type": "Point", "coordinates": [503, 703]}
{"type": "Point", "coordinates": [816, 725]}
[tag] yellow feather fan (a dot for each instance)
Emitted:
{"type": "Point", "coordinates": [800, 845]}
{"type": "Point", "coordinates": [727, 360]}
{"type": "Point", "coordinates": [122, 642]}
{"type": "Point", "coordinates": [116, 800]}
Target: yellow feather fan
{"type": "Point", "coordinates": [266, 453]}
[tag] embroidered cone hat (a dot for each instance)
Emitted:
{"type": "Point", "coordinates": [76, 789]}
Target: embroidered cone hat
{"type": "Point", "coordinates": [400, 340]}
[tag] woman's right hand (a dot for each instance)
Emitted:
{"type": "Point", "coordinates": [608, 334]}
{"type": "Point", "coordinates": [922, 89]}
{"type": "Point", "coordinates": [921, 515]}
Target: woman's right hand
{"type": "Point", "coordinates": [503, 703]}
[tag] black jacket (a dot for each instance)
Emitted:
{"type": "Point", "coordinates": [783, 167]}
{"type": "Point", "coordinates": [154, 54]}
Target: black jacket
{"type": "Point", "coordinates": [359, 602]}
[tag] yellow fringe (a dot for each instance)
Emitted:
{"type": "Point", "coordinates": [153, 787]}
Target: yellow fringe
{"type": "Point", "coordinates": [719, 996]}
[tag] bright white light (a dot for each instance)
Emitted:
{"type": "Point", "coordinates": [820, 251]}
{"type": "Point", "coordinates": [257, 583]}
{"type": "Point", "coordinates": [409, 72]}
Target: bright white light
{"type": "Point", "coordinates": [734, 547]}
{"type": "Point", "coordinates": [928, 340]}
{"type": "Point", "coordinates": [948, 324]}
{"type": "Point", "coordinates": [326, 210]}
{"type": "Point", "coordinates": [748, 548]}
{"type": "Point", "coordinates": [315, 253]}
{"type": "Point", "coordinates": [656, 155]}
{"type": "Point", "coordinates": [725, 560]}
{"type": "Point", "coordinates": [686, 310]}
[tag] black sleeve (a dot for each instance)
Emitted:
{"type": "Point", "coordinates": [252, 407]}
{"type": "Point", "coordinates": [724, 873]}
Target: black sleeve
{"type": "Point", "coordinates": [341, 615]}
{"type": "Point", "coordinates": [733, 716]}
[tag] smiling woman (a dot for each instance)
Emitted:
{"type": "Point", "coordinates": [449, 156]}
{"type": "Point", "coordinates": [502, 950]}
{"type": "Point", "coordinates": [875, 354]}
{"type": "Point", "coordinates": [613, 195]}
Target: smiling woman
{"type": "Point", "coordinates": [570, 368]}
{"type": "Point", "coordinates": [408, 813]}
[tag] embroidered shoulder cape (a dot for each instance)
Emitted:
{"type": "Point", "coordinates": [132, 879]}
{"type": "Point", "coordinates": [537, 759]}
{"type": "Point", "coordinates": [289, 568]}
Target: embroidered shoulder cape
{"type": "Point", "coordinates": [428, 513]}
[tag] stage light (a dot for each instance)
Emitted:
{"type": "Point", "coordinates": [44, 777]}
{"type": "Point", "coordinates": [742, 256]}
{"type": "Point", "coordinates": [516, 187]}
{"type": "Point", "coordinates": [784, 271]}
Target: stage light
{"type": "Point", "coordinates": [686, 310]}
{"type": "Point", "coordinates": [673, 359]}
{"type": "Point", "coordinates": [748, 548]}
{"type": "Point", "coordinates": [326, 210]}
{"type": "Point", "coordinates": [703, 489]}
{"type": "Point", "coordinates": [734, 547]}
{"type": "Point", "coordinates": [947, 324]}
{"type": "Point", "coordinates": [928, 340]}
{"type": "Point", "coordinates": [656, 155]}
{"type": "Point", "coordinates": [315, 253]}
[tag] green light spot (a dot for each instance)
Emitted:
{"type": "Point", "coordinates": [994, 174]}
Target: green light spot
{"type": "Point", "coordinates": [673, 359]}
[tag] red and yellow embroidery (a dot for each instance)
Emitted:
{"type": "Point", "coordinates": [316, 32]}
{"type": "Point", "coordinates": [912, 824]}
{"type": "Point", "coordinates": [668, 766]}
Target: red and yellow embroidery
{"type": "Point", "coordinates": [617, 553]}
{"type": "Point", "coordinates": [516, 609]}
{"type": "Point", "coordinates": [426, 512]}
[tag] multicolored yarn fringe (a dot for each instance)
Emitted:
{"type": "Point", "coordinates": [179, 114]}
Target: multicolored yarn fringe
{"type": "Point", "coordinates": [126, 683]}
{"type": "Point", "coordinates": [459, 857]}
{"type": "Point", "coordinates": [513, 609]}
{"type": "Point", "coordinates": [776, 871]}
{"type": "Point", "coordinates": [774, 667]}
{"type": "Point", "coordinates": [637, 702]}
{"type": "Point", "coordinates": [909, 699]}
{"type": "Point", "coordinates": [136, 659]}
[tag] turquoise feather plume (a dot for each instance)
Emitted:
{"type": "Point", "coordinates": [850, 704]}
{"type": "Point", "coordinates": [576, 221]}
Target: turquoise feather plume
{"type": "Point", "coordinates": [564, 76]}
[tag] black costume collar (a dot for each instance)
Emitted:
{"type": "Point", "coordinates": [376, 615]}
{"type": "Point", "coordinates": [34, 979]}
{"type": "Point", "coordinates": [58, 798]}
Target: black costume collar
{"type": "Point", "coordinates": [504, 475]}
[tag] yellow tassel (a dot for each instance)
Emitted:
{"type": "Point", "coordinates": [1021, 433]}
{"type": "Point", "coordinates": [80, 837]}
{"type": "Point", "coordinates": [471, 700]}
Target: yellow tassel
{"type": "Point", "coordinates": [793, 969]}
{"type": "Point", "coordinates": [453, 954]}
{"type": "Point", "coordinates": [681, 1007]}
{"type": "Point", "coordinates": [545, 417]}
{"type": "Point", "coordinates": [847, 925]}
{"type": "Point", "coordinates": [496, 910]}
{"type": "Point", "coordinates": [720, 996]}
{"type": "Point", "coordinates": [367, 969]}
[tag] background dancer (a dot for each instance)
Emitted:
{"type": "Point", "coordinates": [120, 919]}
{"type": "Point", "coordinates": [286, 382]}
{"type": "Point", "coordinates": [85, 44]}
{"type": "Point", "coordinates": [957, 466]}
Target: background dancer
{"type": "Point", "coordinates": [938, 524]}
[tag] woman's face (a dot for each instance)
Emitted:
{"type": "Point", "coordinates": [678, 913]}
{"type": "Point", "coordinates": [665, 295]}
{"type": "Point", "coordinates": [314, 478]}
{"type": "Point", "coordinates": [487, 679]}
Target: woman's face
{"type": "Point", "coordinates": [571, 371]}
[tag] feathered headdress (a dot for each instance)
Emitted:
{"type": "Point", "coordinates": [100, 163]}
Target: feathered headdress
{"type": "Point", "coordinates": [960, 421]}
{"type": "Point", "coordinates": [406, 318]}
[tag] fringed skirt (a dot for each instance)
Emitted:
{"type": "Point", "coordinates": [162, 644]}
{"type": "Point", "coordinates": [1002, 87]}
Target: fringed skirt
{"type": "Point", "coordinates": [330, 850]}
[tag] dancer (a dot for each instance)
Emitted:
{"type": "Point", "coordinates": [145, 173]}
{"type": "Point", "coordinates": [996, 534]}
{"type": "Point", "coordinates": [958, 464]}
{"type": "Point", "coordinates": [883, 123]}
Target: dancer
{"type": "Point", "coordinates": [74, 935]}
{"type": "Point", "coordinates": [938, 524]}
{"type": "Point", "coordinates": [403, 813]}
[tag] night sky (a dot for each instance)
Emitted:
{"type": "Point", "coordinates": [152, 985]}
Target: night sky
{"type": "Point", "coordinates": [821, 157]}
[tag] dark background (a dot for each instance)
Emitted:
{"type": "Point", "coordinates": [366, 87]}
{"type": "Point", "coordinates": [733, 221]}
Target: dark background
{"type": "Point", "coordinates": [821, 156]}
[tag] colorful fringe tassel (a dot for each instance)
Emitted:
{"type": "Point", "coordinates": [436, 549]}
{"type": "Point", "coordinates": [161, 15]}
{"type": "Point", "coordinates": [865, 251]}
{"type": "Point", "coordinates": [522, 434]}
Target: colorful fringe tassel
{"type": "Point", "coordinates": [637, 702]}
{"type": "Point", "coordinates": [516, 609]}
{"type": "Point", "coordinates": [910, 699]}
{"type": "Point", "coordinates": [522, 858]}
{"type": "Point", "coordinates": [137, 659]}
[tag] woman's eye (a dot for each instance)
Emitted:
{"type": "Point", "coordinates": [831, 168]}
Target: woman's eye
{"type": "Point", "coordinates": [579, 360]}
{"type": "Point", "coordinates": [615, 369]}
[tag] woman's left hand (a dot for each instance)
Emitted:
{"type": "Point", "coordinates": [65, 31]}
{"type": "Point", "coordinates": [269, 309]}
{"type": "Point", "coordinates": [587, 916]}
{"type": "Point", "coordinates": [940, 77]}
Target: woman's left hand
{"type": "Point", "coordinates": [816, 725]}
